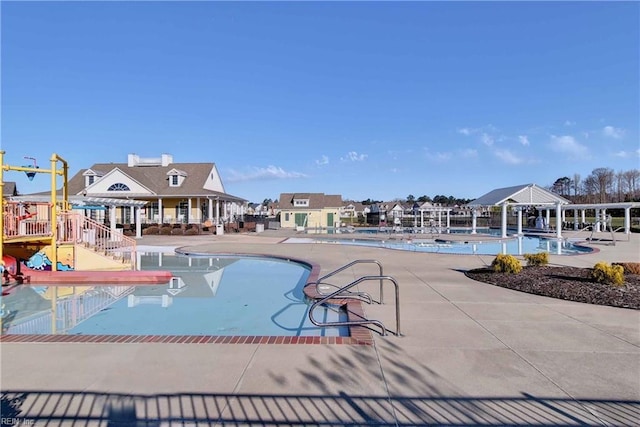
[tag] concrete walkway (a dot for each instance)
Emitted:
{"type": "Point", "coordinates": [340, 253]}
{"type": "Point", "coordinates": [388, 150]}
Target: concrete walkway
{"type": "Point", "coordinates": [470, 354]}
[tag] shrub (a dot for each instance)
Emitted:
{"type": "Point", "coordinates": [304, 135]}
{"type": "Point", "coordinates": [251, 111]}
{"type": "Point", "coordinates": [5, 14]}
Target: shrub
{"type": "Point", "coordinates": [165, 231]}
{"type": "Point", "coordinates": [152, 230]}
{"type": "Point", "coordinates": [506, 264]}
{"type": "Point", "coordinates": [629, 267]}
{"type": "Point", "coordinates": [541, 258]}
{"type": "Point", "coordinates": [191, 232]}
{"type": "Point", "coordinates": [609, 274]}
{"type": "Point", "coordinates": [177, 232]}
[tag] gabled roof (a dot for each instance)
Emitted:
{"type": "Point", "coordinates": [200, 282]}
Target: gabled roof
{"type": "Point", "coordinates": [316, 200]}
{"type": "Point", "coordinates": [156, 180]}
{"type": "Point", "coordinates": [529, 194]}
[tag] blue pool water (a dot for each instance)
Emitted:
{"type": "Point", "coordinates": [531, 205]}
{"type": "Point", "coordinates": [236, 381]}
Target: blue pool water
{"type": "Point", "coordinates": [221, 295]}
{"type": "Point", "coordinates": [513, 246]}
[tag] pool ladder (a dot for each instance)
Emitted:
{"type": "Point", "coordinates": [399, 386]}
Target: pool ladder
{"type": "Point", "coordinates": [344, 292]}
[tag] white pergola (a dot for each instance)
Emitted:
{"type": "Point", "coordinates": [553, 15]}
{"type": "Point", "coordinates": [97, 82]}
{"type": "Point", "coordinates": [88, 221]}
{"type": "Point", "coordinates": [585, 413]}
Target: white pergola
{"type": "Point", "coordinates": [601, 213]}
{"type": "Point", "coordinates": [88, 202]}
{"type": "Point", "coordinates": [434, 211]}
{"type": "Point", "coordinates": [521, 196]}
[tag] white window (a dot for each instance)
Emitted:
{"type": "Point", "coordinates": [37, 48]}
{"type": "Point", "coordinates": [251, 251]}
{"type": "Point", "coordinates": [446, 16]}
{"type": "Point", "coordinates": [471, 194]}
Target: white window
{"type": "Point", "coordinates": [119, 187]}
{"type": "Point", "coordinates": [174, 181]}
{"type": "Point", "coordinates": [301, 202]}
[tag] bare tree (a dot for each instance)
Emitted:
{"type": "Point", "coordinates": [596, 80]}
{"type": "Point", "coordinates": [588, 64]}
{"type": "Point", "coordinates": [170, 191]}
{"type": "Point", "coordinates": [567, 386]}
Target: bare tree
{"type": "Point", "coordinates": [603, 181]}
{"type": "Point", "coordinates": [575, 182]}
{"type": "Point", "coordinates": [632, 184]}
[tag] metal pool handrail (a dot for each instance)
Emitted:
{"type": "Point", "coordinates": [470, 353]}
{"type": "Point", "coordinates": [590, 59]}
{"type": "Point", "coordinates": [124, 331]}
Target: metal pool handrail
{"type": "Point", "coordinates": [337, 293]}
{"type": "Point", "coordinates": [351, 264]}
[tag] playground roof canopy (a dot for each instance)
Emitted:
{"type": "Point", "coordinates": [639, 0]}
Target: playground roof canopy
{"type": "Point", "coordinates": [527, 194]}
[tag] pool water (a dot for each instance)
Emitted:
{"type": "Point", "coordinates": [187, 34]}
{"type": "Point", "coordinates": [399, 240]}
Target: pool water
{"type": "Point", "coordinates": [209, 295]}
{"type": "Point", "coordinates": [514, 246]}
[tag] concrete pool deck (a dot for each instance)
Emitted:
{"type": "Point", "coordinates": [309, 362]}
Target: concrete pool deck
{"type": "Point", "coordinates": [470, 354]}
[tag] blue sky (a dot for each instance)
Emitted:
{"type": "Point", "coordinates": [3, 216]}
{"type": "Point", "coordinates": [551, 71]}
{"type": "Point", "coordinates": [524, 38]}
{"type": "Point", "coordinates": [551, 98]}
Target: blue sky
{"type": "Point", "coordinates": [362, 99]}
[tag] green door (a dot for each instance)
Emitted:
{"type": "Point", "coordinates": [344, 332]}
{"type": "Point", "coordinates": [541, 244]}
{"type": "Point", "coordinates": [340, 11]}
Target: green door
{"type": "Point", "coordinates": [301, 219]}
{"type": "Point", "coordinates": [330, 219]}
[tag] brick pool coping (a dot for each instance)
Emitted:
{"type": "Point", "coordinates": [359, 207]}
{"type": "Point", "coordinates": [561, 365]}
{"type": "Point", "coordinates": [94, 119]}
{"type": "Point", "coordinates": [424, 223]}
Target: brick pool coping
{"type": "Point", "coordinates": [358, 335]}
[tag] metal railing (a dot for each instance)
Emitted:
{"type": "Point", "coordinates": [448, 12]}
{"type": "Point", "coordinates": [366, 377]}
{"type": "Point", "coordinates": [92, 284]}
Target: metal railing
{"type": "Point", "coordinates": [337, 294]}
{"type": "Point", "coordinates": [321, 281]}
{"type": "Point", "coordinates": [342, 292]}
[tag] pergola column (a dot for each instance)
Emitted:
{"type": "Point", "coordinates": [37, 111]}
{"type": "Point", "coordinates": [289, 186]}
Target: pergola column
{"type": "Point", "coordinates": [548, 217]}
{"type": "Point", "coordinates": [504, 220]}
{"type": "Point", "coordinates": [519, 221]}
{"type": "Point", "coordinates": [448, 220]}
{"type": "Point", "coordinates": [627, 220]}
{"type": "Point", "coordinates": [558, 220]}
{"type": "Point", "coordinates": [575, 219]}
{"type": "Point", "coordinates": [474, 220]}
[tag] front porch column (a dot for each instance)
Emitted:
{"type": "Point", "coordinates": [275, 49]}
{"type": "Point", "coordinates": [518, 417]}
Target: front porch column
{"type": "Point", "coordinates": [439, 221]}
{"type": "Point", "coordinates": [210, 209]}
{"type": "Point", "coordinates": [217, 211]}
{"type": "Point", "coordinates": [474, 220]}
{"type": "Point", "coordinates": [132, 214]}
{"type": "Point", "coordinates": [160, 213]}
{"type": "Point", "coordinates": [112, 219]}
{"type": "Point", "coordinates": [421, 218]}
{"type": "Point", "coordinates": [138, 211]}
{"type": "Point", "coordinates": [189, 207]}
{"type": "Point", "coordinates": [504, 220]}
{"type": "Point", "coordinates": [519, 221]}
{"type": "Point", "coordinates": [558, 221]}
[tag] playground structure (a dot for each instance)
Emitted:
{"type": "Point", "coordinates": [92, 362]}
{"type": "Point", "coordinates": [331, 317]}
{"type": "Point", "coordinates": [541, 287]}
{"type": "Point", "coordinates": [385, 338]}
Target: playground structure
{"type": "Point", "coordinates": [39, 239]}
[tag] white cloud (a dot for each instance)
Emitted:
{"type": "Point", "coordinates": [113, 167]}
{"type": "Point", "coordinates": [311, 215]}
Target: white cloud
{"type": "Point", "coordinates": [352, 156]}
{"type": "Point", "coordinates": [440, 157]}
{"type": "Point", "coordinates": [524, 140]}
{"type": "Point", "coordinates": [469, 152]}
{"type": "Point", "coordinates": [256, 173]}
{"type": "Point", "coordinates": [465, 131]}
{"type": "Point", "coordinates": [611, 132]}
{"type": "Point", "coordinates": [324, 160]}
{"type": "Point", "coordinates": [567, 144]}
{"type": "Point", "coordinates": [508, 157]}
{"type": "Point", "coordinates": [486, 139]}
{"type": "Point", "coordinates": [569, 123]}
{"type": "Point", "coordinates": [625, 154]}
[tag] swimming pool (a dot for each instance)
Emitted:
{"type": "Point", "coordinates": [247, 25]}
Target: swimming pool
{"type": "Point", "coordinates": [209, 295]}
{"type": "Point", "coordinates": [514, 246]}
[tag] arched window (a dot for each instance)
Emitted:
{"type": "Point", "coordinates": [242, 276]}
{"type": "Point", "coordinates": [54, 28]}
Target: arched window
{"type": "Point", "coordinates": [118, 187]}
